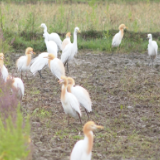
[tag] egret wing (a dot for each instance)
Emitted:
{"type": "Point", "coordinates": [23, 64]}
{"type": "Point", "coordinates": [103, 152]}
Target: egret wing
{"type": "Point", "coordinates": [39, 63]}
{"type": "Point", "coordinates": [83, 97]}
{"type": "Point", "coordinates": [67, 53]}
{"type": "Point", "coordinates": [57, 68]}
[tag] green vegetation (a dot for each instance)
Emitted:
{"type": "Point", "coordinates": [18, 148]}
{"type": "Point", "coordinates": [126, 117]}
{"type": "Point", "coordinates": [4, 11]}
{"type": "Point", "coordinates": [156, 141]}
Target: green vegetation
{"type": "Point", "coordinates": [75, 1]}
{"type": "Point", "coordinates": [15, 140]}
{"type": "Point", "coordinates": [98, 21]}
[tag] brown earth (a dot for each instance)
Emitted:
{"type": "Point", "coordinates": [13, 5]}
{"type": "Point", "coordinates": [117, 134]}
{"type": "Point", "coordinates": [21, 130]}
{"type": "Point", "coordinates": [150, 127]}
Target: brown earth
{"type": "Point", "coordinates": [125, 95]}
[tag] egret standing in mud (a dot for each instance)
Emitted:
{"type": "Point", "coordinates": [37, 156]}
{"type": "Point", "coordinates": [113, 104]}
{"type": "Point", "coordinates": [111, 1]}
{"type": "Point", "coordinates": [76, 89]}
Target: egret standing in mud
{"type": "Point", "coordinates": [24, 62]}
{"type": "Point", "coordinates": [53, 36]}
{"type": "Point", "coordinates": [18, 84]}
{"type": "Point", "coordinates": [56, 66]}
{"type": "Point", "coordinates": [81, 94]}
{"type": "Point", "coordinates": [66, 40]}
{"type": "Point", "coordinates": [152, 49]}
{"type": "Point", "coordinates": [116, 41]}
{"type": "Point", "coordinates": [70, 50]}
{"type": "Point", "coordinates": [50, 45]}
{"type": "Point", "coordinates": [83, 148]}
{"type": "Point", "coordinates": [69, 102]}
{"type": "Point", "coordinates": [3, 69]}
{"type": "Point", "coordinates": [39, 63]}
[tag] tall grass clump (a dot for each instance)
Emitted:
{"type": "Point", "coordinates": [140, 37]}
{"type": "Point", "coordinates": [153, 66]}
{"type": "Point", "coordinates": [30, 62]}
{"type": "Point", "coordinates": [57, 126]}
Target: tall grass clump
{"type": "Point", "coordinates": [14, 129]}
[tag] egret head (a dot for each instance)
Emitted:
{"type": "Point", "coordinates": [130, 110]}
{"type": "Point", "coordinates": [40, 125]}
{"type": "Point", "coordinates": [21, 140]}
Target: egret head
{"type": "Point", "coordinates": [63, 80]}
{"type": "Point", "coordinates": [122, 27]}
{"type": "Point", "coordinates": [68, 35]}
{"type": "Point", "coordinates": [29, 50]}
{"type": "Point", "coordinates": [77, 30]}
{"type": "Point", "coordinates": [50, 56]}
{"type": "Point", "coordinates": [1, 56]}
{"type": "Point", "coordinates": [43, 25]}
{"type": "Point", "coordinates": [150, 36]}
{"type": "Point", "coordinates": [70, 81]}
{"type": "Point", "coordinates": [90, 126]}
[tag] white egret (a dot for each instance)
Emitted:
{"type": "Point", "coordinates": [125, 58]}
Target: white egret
{"type": "Point", "coordinates": [152, 48]}
{"type": "Point", "coordinates": [83, 148]}
{"type": "Point", "coordinates": [69, 102]}
{"type": "Point", "coordinates": [81, 94]}
{"type": "Point", "coordinates": [70, 50]}
{"type": "Point", "coordinates": [53, 36]}
{"type": "Point", "coordinates": [39, 63]}
{"type": "Point", "coordinates": [50, 45]}
{"type": "Point", "coordinates": [3, 69]}
{"type": "Point", "coordinates": [17, 84]}
{"type": "Point", "coordinates": [24, 62]}
{"type": "Point", "coordinates": [116, 41]}
{"type": "Point", "coordinates": [56, 66]}
{"type": "Point", "coordinates": [66, 40]}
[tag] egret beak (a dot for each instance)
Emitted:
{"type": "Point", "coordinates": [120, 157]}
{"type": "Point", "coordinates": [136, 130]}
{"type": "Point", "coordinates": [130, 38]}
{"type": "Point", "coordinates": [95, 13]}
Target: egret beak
{"type": "Point", "coordinates": [79, 31]}
{"type": "Point", "coordinates": [60, 81]}
{"type": "Point", "coordinates": [126, 27]}
{"type": "Point", "coordinates": [39, 26]}
{"type": "Point", "coordinates": [99, 127]}
{"type": "Point", "coordinates": [34, 52]}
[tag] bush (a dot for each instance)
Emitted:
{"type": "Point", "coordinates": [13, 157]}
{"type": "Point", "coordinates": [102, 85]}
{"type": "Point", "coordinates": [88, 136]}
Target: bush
{"type": "Point", "coordinates": [15, 140]}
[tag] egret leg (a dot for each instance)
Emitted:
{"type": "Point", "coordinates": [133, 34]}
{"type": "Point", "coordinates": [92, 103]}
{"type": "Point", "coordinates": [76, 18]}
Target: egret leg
{"type": "Point", "coordinates": [67, 68]}
{"type": "Point", "coordinates": [79, 117]}
{"type": "Point", "coordinates": [65, 63]}
{"type": "Point", "coordinates": [40, 74]}
{"type": "Point", "coordinates": [26, 75]}
{"type": "Point", "coordinates": [87, 114]}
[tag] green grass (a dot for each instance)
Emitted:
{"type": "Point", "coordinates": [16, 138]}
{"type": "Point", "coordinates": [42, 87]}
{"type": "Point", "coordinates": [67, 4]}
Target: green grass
{"type": "Point", "coordinates": [75, 1]}
{"type": "Point", "coordinates": [14, 138]}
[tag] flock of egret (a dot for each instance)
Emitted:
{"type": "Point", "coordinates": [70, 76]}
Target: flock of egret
{"type": "Point", "coordinates": [73, 98]}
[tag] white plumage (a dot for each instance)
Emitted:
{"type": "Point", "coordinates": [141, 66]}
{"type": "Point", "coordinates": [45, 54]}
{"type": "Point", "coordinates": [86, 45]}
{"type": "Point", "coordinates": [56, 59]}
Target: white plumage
{"type": "Point", "coordinates": [69, 102]}
{"type": "Point", "coordinates": [50, 45]}
{"type": "Point", "coordinates": [81, 94]}
{"type": "Point", "coordinates": [39, 63]}
{"type": "Point", "coordinates": [53, 37]}
{"type": "Point", "coordinates": [18, 84]}
{"type": "Point", "coordinates": [71, 105]}
{"type": "Point", "coordinates": [24, 62]}
{"type": "Point", "coordinates": [116, 41]}
{"type": "Point", "coordinates": [152, 48]}
{"type": "Point", "coordinates": [3, 69]}
{"type": "Point", "coordinates": [56, 66]}
{"type": "Point", "coordinates": [4, 73]}
{"type": "Point", "coordinates": [79, 151]}
{"type": "Point", "coordinates": [83, 148]}
{"type": "Point", "coordinates": [71, 49]}
{"type": "Point", "coordinates": [66, 41]}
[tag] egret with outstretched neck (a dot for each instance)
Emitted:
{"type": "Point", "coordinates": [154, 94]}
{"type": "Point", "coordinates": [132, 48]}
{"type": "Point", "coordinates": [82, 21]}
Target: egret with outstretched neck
{"type": "Point", "coordinates": [70, 50]}
{"type": "Point", "coordinates": [53, 36]}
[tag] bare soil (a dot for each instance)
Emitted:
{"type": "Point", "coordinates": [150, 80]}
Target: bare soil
{"type": "Point", "coordinates": [125, 93]}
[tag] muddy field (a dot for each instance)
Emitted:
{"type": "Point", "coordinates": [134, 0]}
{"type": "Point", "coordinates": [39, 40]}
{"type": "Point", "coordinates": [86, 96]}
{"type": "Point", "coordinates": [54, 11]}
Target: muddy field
{"type": "Point", "coordinates": [125, 92]}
